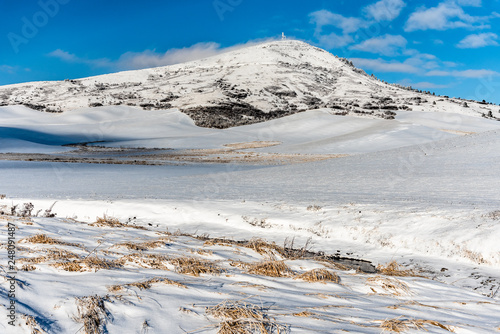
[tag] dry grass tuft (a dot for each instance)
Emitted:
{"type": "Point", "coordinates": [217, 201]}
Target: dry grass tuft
{"type": "Point", "coordinates": [115, 288]}
{"type": "Point", "coordinates": [391, 285]}
{"type": "Point", "coordinates": [68, 266]}
{"type": "Point", "coordinates": [108, 221]}
{"type": "Point", "coordinates": [235, 310]}
{"type": "Point", "coordinates": [142, 246]}
{"type": "Point", "coordinates": [201, 251]}
{"type": "Point", "coordinates": [92, 314]}
{"type": "Point", "coordinates": [303, 314]}
{"type": "Point", "coordinates": [144, 285]}
{"type": "Point", "coordinates": [87, 264]}
{"type": "Point", "coordinates": [409, 303]}
{"type": "Point", "coordinates": [243, 318]}
{"type": "Point", "coordinates": [33, 325]}
{"type": "Point", "coordinates": [51, 254]}
{"type": "Point", "coordinates": [150, 261]}
{"type": "Point", "coordinates": [131, 246]}
{"type": "Point", "coordinates": [399, 325]}
{"type": "Point", "coordinates": [319, 275]}
{"type": "Point", "coordinates": [394, 269]}
{"type": "Point", "coordinates": [44, 239]}
{"type": "Point", "coordinates": [260, 287]}
{"type": "Point", "coordinates": [28, 267]}
{"type": "Point", "coordinates": [195, 267]}
{"type": "Point", "coordinates": [271, 268]}
{"type": "Point", "coordinates": [314, 208]}
{"type": "Point", "coordinates": [264, 248]}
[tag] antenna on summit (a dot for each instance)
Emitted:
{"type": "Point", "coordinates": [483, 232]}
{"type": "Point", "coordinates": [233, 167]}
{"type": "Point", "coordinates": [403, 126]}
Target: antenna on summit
{"type": "Point", "coordinates": [283, 37]}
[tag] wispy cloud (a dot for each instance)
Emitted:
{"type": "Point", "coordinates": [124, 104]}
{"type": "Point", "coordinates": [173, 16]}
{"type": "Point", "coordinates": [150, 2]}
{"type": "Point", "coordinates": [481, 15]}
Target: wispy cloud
{"type": "Point", "coordinates": [472, 3]}
{"type": "Point", "coordinates": [387, 45]}
{"type": "Point", "coordinates": [382, 65]}
{"type": "Point", "coordinates": [384, 10]}
{"type": "Point", "coordinates": [333, 40]}
{"type": "Point", "coordinates": [447, 15]}
{"type": "Point", "coordinates": [152, 58]}
{"type": "Point", "coordinates": [478, 41]}
{"type": "Point", "coordinates": [348, 25]}
{"type": "Point", "coordinates": [72, 58]}
{"type": "Point", "coordinates": [8, 69]}
{"type": "Point", "coordinates": [422, 84]}
{"type": "Point", "coordinates": [428, 85]}
{"type": "Point", "coordinates": [464, 74]}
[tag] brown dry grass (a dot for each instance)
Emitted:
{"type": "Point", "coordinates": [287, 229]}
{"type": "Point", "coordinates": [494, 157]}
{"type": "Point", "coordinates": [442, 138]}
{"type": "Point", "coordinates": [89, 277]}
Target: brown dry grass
{"type": "Point", "coordinates": [259, 245]}
{"type": "Point", "coordinates": [142, 246]}
{"type": "Point", "coordinates": [319, 275]}
{"type": "Point", "coordinates": [263, 247]}
{"type": "Point", "coordinates": [108, 221]}
{"type": "Point", "coordinates": [44, 239]}
{"type": "Point", "coordinates": [33, 325]}
{"type": "Point", "coordinates": [251, 285]}
{"type": "Point", "coordinates": [144, 285]}
{"type": "Point", "coordinates": [390, 285]}
{"type": "Point", "coordinates": [409, 303]}
{"type": "Point", "coordinates": [28, 267]}
{"type": "Point", "coordinates": [131, 246]}
{"type": "Point", "coordinates": [51, 254]}
{"type": "Point", "coordinates": [150, 261]}
{"type": "Point", "coordinates": [92, 314]}
{"type": "Point", "coordinates": [400, 325]}
{"type": "Point", "coordinates": [394, 269]}
{"type": "Point", "coordinates": [195, 267]}
{"type": "Point", "coordinates": [303, 314]}
{"type": "Point", "coordinates": [87, 264]}
{"type": "Point", "coordinates": [243, 318]}
{"type": "Point", "coordinates": [271, 268]}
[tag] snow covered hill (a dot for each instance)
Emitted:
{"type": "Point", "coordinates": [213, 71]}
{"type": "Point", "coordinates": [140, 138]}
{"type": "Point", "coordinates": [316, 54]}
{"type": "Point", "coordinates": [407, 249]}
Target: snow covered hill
{"type": "Point", "coordinates": [249, 85]}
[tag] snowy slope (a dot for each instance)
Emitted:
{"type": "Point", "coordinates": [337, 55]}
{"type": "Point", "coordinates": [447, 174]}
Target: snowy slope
{"type": "Point", "coordinates": [240, 87]}
{"type": "Point", "coordinates": [311, 132]}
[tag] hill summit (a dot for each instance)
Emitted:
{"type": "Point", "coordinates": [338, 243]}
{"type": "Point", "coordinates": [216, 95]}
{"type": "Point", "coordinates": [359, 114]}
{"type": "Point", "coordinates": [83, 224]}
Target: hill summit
{"type": "Point", "coordinates": [245, 86]}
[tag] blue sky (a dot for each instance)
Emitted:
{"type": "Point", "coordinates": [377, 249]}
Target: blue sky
{"type": "Point", "coordinates": [451, 47]}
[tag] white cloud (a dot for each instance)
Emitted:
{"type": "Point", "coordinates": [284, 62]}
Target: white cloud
{"type": "Point", "coordinates": [64, 55]}
{"type": "Point", "coordinates": [387, 45]}
{"type": "Point", "coordinates": [333, 40]}
{"type": "Point", "coordinates": [472, 3]}
{"type": "Point", "coordinates": [72, 58]}
{"type": "Point", "coordinates": [464, 74]}
{"type": "Point", "coordinates": [478, 41]}
{"type": "Point", "coordinates": [384, 10]}
{"type": "Point", "coordinates": [381, 65]}
{"type": "Point", "coordinates": [447, 15]}
{"type": "Point", "coordinates": [428, 85]}
{"type": "Point", "coordinates": [348, 25]}
{"type": "Point", "coordinates": [8, 69]}
{"type": "Point", "coordinates": [151, 58]}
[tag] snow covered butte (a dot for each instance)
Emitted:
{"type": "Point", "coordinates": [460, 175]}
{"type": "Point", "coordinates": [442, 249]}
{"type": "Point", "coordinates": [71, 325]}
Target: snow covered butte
{"type": "Point", "coordinates": [245, 86]}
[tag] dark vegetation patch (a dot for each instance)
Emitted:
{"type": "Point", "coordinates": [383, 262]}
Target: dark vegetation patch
{"type": "Point", "coordinates": [228, 114]}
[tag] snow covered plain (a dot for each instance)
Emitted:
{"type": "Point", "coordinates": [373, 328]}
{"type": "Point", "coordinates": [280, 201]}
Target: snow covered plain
{"type": "Point", "coordinates": [422, 190]}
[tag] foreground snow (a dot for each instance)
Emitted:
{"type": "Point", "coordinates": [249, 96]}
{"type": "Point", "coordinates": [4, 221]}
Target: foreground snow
{"type": "Point", "coordinates": [422, 190]}
{"type": "Point", "coordinates": [145, 288]}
